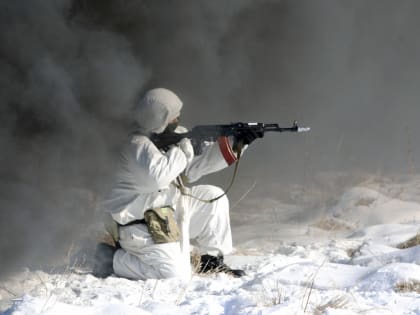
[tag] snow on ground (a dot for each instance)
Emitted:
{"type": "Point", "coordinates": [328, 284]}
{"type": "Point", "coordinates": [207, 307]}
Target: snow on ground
{"type": "Point", "coordinates": [338, 265]}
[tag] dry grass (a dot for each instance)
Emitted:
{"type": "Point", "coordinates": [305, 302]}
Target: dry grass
{"type": "Point", "coordinates": [366, 202]}
{"type": "Point", "coordinates": [332, 224]}
{"type": "Point", "coordinates": [414, 241]}
{"type": "Point", "coordinates": [308, 290]}
{"type": "Point", "coordinates": [408, 286]}
{"type": "Point", "coordinates": [106, 238]}
{"type": "Point", "coordinates": [274, 296]}
{"type": "Point", "coordinates": [336, 302]}
{"type": "Point", "coordinates": [354, 252]}
{"type": "Point", "coordinates": [195, 262]}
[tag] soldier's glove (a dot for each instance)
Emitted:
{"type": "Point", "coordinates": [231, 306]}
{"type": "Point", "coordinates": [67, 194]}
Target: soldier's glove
{"type": "Point", "coordinates": [246, 137]}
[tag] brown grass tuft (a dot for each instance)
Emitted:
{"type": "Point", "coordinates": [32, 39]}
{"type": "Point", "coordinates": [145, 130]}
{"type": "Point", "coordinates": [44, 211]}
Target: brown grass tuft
{"type": "Point", "coordinates": [332, 224]}
{"type": "Point", "coordinates": [414, 241]}
{"type": "Point", "coordinates": [195, 262]}
{"type": "Point", "coordinates": [408, 286]}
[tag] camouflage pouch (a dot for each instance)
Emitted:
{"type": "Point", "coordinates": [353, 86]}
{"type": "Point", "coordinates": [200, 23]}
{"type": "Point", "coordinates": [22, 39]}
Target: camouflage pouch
{"type": "Point", "coordinates": [162, 225]}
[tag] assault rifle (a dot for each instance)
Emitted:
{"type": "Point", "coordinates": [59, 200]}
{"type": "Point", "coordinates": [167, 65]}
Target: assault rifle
{"type": "Point", "coordinates": [201, 133]}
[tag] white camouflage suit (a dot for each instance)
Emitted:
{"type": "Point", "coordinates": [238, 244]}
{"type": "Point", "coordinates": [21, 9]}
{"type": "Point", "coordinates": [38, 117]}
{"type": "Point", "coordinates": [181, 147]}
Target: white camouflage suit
{"type": "Point", "coordinates": [146, 179]}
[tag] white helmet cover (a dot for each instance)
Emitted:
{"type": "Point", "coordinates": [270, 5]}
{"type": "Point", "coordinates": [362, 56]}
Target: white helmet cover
{"type": "Point", "coordinates": [156, 109]}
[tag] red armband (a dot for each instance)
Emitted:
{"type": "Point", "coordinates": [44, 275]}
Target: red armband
{"type": "Point", "coordinates": [227, 151]}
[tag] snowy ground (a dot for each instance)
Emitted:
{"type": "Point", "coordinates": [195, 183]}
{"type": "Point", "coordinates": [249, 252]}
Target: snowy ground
{"type": "Point", "coordinates": [349, 261]}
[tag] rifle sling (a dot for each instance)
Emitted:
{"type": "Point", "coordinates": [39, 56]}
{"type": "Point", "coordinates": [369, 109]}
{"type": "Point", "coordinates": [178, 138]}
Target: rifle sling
{"type": "Point", "coordinates": [181, 186]}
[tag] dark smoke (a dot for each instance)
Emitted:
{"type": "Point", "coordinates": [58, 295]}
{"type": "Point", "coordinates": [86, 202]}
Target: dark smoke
{"type": "Point", "coordinates": [71, 69]}
{"type": "Point", "coordinates": [65, 91]}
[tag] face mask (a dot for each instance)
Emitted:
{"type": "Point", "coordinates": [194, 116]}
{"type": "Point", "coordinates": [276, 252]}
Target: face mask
{"type": "Point", "coordinates": [171, 127]}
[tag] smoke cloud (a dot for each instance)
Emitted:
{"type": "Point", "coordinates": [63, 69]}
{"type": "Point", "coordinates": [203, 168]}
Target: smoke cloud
{"type": "Point", "coordinates": [70, 70]}
{"type": "Point", "coordinates": [65, 91]}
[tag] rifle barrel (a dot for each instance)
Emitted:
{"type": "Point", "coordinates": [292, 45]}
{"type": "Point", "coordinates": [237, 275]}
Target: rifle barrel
{"type": "Point", "coordinates": [294, 128]}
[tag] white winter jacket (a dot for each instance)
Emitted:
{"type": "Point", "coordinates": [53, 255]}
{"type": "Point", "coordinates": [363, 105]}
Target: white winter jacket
{"type": "Point", "coordinates": [146, 178]}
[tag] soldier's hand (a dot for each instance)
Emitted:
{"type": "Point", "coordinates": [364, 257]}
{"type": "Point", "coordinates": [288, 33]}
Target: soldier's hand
{"type": "Point", "coordinates": [248, 136]}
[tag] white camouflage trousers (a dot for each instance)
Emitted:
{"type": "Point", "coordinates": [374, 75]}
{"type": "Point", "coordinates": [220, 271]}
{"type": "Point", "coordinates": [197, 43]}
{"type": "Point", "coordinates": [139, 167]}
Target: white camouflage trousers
{"type": "Point", "coordinates": [209, 231]}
